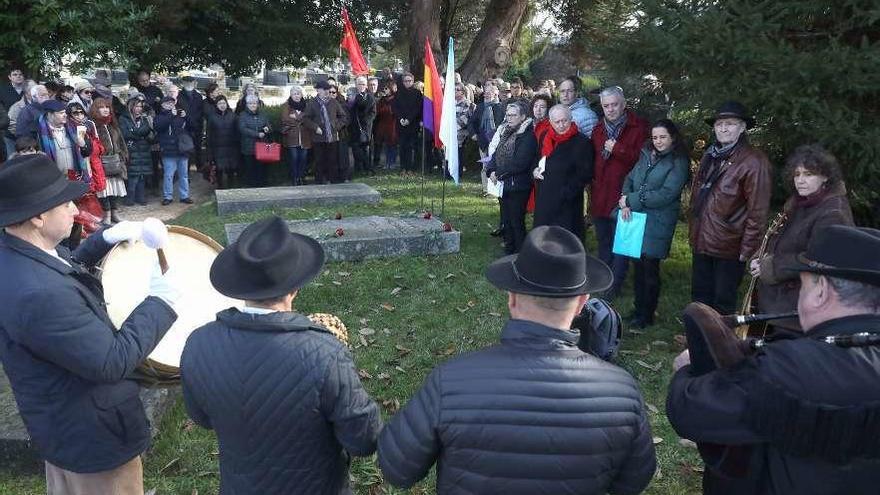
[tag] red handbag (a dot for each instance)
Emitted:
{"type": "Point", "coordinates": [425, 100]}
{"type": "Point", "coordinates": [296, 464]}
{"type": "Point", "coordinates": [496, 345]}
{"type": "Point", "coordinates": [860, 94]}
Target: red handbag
{"type": "Point", "coordinates": [267, 152]}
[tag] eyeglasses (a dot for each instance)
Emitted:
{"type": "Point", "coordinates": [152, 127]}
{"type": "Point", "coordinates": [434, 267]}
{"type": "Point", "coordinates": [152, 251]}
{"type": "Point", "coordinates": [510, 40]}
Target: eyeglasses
{"type": "Point", "coordinates": [88, 92]}
{"type": "Point", "coordinates": [332, 91]}
{"type": "Point", "coordinates": [77, 112]}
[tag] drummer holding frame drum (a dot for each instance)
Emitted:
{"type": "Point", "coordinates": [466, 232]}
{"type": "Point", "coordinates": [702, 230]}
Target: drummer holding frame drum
{"type": "Point", "coordinates": [68, 365]}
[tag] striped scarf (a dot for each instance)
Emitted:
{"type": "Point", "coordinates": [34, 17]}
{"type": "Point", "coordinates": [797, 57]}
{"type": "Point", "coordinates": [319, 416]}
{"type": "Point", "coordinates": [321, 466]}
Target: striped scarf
{"type": "Point", "coordinates": [612, 131]}
{"type": "Point", "coordinates": [47, 144]}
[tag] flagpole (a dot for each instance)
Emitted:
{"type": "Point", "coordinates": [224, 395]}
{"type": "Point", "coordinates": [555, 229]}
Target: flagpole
{"type": "Point", "coordinates": [422, 153]}
{"type": "Point", "coordinates": [443, 194]}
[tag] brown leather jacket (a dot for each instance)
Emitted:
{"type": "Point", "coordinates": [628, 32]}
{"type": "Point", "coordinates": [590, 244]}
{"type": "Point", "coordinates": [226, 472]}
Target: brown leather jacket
{"type": "Point", "coordinates": [733, 220]}
{"type": "Point", "coordinates": [312, 119]}
{"type": "Point", "coordinates": [777, 289]}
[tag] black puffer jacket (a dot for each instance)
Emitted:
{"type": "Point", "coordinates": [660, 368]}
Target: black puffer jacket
{"type": "Point", "coordinates": [533, 415]}
{"type": "Point", "coordinates": [169, 127]}
{"type": "Point", "coordinates": [250, 125]}
{"type": "Point", "coordinates": [285, 400]}
{"type": "Point", "coordinates": [138, 135]}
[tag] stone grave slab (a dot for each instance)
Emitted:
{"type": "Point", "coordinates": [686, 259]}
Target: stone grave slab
{"type": "Point", "coordinates": [15, 444]}
{"type": "Point", "coordinates": [231, 201]}
{"type": "Point", "coordinates": [372, 236]}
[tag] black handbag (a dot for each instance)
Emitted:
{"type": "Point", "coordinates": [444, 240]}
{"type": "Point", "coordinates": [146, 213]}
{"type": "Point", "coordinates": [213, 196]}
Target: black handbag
{"type": "Point", "coordinates": [185, 143]}
{"type": "Point", "coordinates": [112, 164]}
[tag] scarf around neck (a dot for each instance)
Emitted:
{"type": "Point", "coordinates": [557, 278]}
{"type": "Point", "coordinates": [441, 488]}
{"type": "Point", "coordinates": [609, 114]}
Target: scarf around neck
{"type": "Point", "coordinates": [613, 130]}
{"type": "Point", "coordinates": [296, 105]}
{"type": "Point", "coordinates": [552, 139]}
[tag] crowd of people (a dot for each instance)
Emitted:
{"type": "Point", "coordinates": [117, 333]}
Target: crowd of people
{"type": "Point", "coordinates": [796, 413]}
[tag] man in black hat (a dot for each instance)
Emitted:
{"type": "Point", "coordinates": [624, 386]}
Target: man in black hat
{"type": "Point", "coordinates": [533, 414]}
{"type": "Point", "coordinates": [800, 415]}
{"type": "Point", "coordinates": [325, 117]}
{"type": "Point", "coordinates": [68, 365]}
{"type": "Point", "coordinates": [730, 200]}
{"type": "Point", "coordinates": [192, 102]}
{"type": "Point", "coordinates": [281, 392]}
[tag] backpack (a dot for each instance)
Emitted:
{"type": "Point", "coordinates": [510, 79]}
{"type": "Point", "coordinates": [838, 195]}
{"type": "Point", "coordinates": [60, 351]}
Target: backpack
{"type": "Point", "coordinates": [600, 329]}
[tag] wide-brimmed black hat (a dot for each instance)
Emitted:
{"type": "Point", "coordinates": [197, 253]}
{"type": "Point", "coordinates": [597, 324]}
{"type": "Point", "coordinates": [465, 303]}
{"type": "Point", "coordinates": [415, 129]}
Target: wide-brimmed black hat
{"type": "Point", "coordinates": [732, 110]}
{"type": "Point", "coordinates": [32, 184]}
{"type": "Point", "coordinates": [844, 252]}
{"type": "Point", "coordinates": [267, 260]}
{"type": "Point", "coordinates": [551, 263]}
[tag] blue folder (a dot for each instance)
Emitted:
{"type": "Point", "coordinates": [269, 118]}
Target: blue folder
{"type": "Point", "coordinates": [628, 236]}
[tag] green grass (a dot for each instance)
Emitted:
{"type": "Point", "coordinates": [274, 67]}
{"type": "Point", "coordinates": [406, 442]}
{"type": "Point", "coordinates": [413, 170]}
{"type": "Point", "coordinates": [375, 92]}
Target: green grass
{"type": "Point", "coordinates": [423, 310]}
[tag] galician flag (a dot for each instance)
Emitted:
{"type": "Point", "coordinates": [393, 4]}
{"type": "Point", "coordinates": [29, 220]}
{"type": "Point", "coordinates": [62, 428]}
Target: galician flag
{"type": "Point", "coordinates": [448, 124]}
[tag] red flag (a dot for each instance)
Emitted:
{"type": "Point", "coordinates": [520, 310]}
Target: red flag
{"type": "Point", "coordinates": [351, 45]}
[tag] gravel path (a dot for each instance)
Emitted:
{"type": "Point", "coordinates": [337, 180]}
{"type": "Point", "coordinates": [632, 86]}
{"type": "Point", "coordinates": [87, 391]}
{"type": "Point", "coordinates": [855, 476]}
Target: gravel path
{"type": "Point", "coordinates": [201, 191]}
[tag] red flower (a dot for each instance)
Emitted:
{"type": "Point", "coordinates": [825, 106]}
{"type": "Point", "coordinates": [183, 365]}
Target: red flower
{"type": "Point", "coordinates": [447, 227]}
{"type": "Point", "coordinates": [340, 232]}
{"type": "Point", "coordinates": [427, 215]}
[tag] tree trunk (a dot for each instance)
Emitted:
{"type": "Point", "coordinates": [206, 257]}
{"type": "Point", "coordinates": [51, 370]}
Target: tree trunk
{"type": "Point", "coordinates": [424, 21]}
{"type": "Point", "coordinates": [499, 35]}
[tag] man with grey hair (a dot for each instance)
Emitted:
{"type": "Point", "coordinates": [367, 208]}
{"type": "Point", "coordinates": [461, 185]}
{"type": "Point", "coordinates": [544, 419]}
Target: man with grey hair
{"type": "Point", "coordinates": [360, 135]}
{"type": "Point", "coordinates": [325, 117]}
{"type": "Point", "coordinates": [618, 140]}
{"type": "Point", "coordinates": [570, 96]}
{"type": "Point", "coordinates": [26, 123]}
{"type": "Point", "coordinates": [802, 413]}
{"type": "Point", "coordinates": [730, 201]}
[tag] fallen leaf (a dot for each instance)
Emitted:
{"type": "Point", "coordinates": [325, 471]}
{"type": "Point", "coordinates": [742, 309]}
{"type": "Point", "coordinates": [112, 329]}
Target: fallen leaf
{"type": "Point", "coordinates": [363, 341]}
{"type": "Point", "coordinates": [173, 464]}
{"type": "Point", "coordinates": [366, 331]}
{"type": "Point", "coordinates": [680, 340]}
{"type": "Point", "coordinates": [652, 408]}
{"type": "Point", "coordinates": [446, 352]}
{"type": "Point", "coordinates": [336, 283]}
{"type": "Point", "coordinates": [188, 425]}
{"type": "Point", "coordinates": [391, 405]}
{"type": "Point", "coordinates": [398, 277]}
{"type": "Point", "coordinates": [386, 331]}
{"type": "Point", "coordinates": [395, 291]}
{"type": "Point", "coordinates": [383, 376]}
{"type": "Point", "coordinates": [343, 274]}
{"type": "Point", "coordinates": [318, 284]}
{"type": "Point", "coordinates": [471, 304]}
{"type": "Point", "coordinates": [449, 275]}
{"type": "Point", "coordinates": [660, 343]}
{"type": "Point", "coordinates": [653, 368]}
{"type": "Point", "coordinates": [431, 275]}
{"type": "Point", "coordinates": [364, 374]}
{"type": "Point", "coordinates": [403, 351]}
{"type": "Point", "coordinates": [400, 369]}
{"type": "Point", "coordinates": [387, 306]}
{"type": "Point", "coordinates": [364, 321]}
{"type": "Point", "coordinates": [635, 332]}
{"type": "Point", "coordinates": [657, 440]}
{"type": "Point", "coordinates": [697, 469]}
{"type": "Point", "coordinates": [496, 315]}
{"type": "Point", "coordinates": [462, 310]}
{"type": "Point", "coordinates": [684, 442]}
{"type": "Point", "coordinates": [151, 492]}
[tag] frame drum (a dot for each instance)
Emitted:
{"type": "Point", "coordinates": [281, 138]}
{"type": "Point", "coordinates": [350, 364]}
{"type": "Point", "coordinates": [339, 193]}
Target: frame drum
{"type": "Point", "coordinates": [125, 274]}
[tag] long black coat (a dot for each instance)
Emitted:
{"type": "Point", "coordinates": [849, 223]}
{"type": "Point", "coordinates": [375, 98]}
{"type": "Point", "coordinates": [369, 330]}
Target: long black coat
{"type": "Point", "coordinates": [285, 400]}
{"type": "Point", "coordinates": [559, 198]}
{"type": "Point", "coordinates": [516, 172]}
{"type": "Point", "coordinates": [531, 415]}
{"type": "Point", "coordinates": [139, 137]}
{"type": "Point", "coordinates": [168, 129]}
{"type": "Point", "coordinates": [192, 102]}
{"type": "Point", "coordinates": [223, 140]}
{"type": "Point", "coordinates": [67, 364]}
{"type": "Point", "coordinates": [753, 405]}
{"type": "Point", "coordinates": [363, 113]}
{"type": "Point", "coordinates": [407, 104]}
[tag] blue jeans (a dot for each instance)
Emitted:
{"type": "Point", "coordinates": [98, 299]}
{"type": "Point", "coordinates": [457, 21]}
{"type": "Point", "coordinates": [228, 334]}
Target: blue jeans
{"type": "Point", "coordinates": [170, 165]}
{"type": "Point", "coordinates": [135, 188]}
{"type": "Point", "coordinates": [298, 163]}
{"type": "Point", "coordinates": [390, 156]}
{"type": "Point", "coordinates": [605, 227]}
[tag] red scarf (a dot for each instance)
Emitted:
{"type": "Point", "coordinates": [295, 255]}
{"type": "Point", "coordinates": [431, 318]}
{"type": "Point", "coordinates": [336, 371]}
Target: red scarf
{"type": "Point", "coordinates": [552, 139]}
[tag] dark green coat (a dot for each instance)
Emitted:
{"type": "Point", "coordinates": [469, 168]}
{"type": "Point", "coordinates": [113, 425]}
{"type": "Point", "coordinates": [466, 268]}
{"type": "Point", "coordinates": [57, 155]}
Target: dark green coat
{"type": "Point", "coordinates": [138, 135]}
{"type": "Point", "coordinates": [656, 191]}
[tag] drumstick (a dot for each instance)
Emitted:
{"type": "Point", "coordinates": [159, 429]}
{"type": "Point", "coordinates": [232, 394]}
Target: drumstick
{"type": "Point", "coordinates": [163, 261]}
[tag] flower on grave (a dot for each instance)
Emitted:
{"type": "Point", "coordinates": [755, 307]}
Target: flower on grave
{"type": "Point", "coordinates": [340, 232]}
{"type": "Point", "coordinates": [427, 215]}
{"type": "Point", "coordinates": [338, 215]}
{"type": "Point", "coordinates": [447, 227]}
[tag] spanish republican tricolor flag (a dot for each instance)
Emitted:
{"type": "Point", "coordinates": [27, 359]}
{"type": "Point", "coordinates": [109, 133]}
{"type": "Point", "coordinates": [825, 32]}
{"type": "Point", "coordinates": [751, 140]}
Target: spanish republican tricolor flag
{"type": "Point", "coordinates": [433, 102]}
{"type": "Point", "coordinates": [351, 45]}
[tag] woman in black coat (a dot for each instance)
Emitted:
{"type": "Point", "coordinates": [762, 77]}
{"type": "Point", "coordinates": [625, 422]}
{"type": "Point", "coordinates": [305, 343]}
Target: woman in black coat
{"type": "Point", "coordinates": [564, 169]}
{"type": "Point", "coordinates": [137, 130]}
{"type": "Point", "coordinates": [223, 142]}
{"type": "Point", "coordinates": [512, 162]}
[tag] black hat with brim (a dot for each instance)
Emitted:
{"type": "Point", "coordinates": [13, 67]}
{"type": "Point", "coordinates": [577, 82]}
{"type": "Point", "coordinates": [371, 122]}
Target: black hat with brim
{"type": "Point", "coordinates": [842, 251]}
{"type": "Point", "coordinates": [551, 263]}
{"type": "Point", "coordinates": [732, 110]}
{"type": "Point", "coordinates": [266, 261]}
{"type": "Point", "coordinates": [31, 185]}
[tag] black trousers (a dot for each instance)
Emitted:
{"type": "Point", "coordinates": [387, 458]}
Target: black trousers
{"type": "Point", "coordinates": [714, 281]}
{"type": "Point", "coordinates": [198, 152]}
{"type": "Point", "coordinates": [326, 162]}
{"type": "Point", "coordinates": [647, 287]}
{"type": "Point", "coordinates": [255, 171]}
{"type": "Point", "coordinates": [513, 216]}
{"type": "Point", "coordinates": [409, 147]}
{"type": "Point", "coordinates": [361, 154]}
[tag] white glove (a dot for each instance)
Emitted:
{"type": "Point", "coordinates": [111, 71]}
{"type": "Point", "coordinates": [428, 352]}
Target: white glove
{"type": "Point", "coordinates": [155, 233]}
{"type": "Point", "coordinates": [165, 287]}
{"type": "Point", "coordinates": [123, 231]}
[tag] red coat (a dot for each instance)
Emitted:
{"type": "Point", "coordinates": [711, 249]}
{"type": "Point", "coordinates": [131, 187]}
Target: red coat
{"type": "Point", "coordinates": [386, 121]}
{"type": "Point", "coordinates": [608, 175]}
